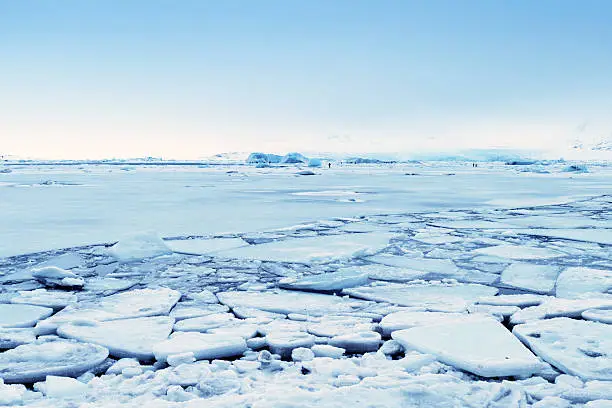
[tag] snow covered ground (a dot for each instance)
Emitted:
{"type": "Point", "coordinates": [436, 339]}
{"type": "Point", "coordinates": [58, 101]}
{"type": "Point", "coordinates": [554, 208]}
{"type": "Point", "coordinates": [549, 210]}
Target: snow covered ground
{"type": "Point", "coordinates": [421, 285]}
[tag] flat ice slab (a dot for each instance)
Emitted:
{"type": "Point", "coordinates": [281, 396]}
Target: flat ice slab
{"type": "Point", "coordinates": [579, 281]}
{"type": "Point", "coordinates": [576, 347]}
{"type": "Point", "coordinates": [17, 315]}
{"type": "Point", "coordinates": [481, 346]}
{"type": "Point", "coordinates": [286, 302]}
{"type": "Point", "coordinates": [42, 297]}
{"type": "Point", "coordinates": [441, 267]}
{"type": "Point", "coordinates": [519, 252]}
{"type": "Point", "coordinates": [313, 249]}
{"type": "Point", "coordinates": [599, 235]}
{"type": "Point", "coordinates": [598, 315]}
{"type": "Point", "coordinates": [124, 305]}
{"type": "Point", "coordinates": [123, 338]}
{"type": "Point", "coordinates": [434, 296]}
{"type": "Point", "coordinates": [531, 277]}
{"type": "Point", "coordinates": [203, 346]}
{"type": "Point", "coordinates": [407, 319]}
{"type": "Point", "coordinates": [30, 363]}
{"type": "Point", "coordinates": [200, 246]}
{"type": "Point", "coordinates": [333, 281]}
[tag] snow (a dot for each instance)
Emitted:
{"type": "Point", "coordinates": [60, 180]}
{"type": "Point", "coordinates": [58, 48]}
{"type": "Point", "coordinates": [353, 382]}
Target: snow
{"type": "Point", "coordinates": [17, 315]}
{"type": "Point", "coordinates": [203, 346]}
{"type": "Point", "coordinates": [481, 346]}
{"type": "Point", "coordinates": [576, 347]}
{"type": "Point", "coordinates": [306, 250]}
{"type": "Point", "coordinates": [519, 252]}
{"type": "Point", "coordinates": [126, 338]}
{"type": "Point", "coordinates": [205, 246]}
{"type": "Point", "coordinates": [30, 363]}
{"type": "Point", "coordinates": [433, 296]}
{"type": "Point", "coordinates": [139, 246]}
{"type": "Point", "coordinates": [578, 281]}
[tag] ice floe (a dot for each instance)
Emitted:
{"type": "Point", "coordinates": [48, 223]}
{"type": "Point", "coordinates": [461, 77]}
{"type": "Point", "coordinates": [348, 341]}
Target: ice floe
{"type": "Point", "coordinates": [531, 277]}
{"type": "Point", "coordinates": [33, 362]}
{"type": "Point", "coordinates": [124, 338]}
{"type": "Point", "coordinates": [139, 246]}
{"type": "Point", "coordinates": [328, 282]}
{"type": "Point", "coordinates": [433, 296]}
{"type": "Point", "coordinates": [313, 249]}
{"type": "Point", "coordinates": [519, 252]}
{"type": "Point", "coordinates": [18, 315]}
{"type": "Point", "coordinates": [198, 246]}
{"type": "Point", "coordinates": [203, 346]}
{"type": "Point", "coordinates": [481, 346]}
{"type": "Point", "coordinates": [576, 347]}
{"type": "Point", "coordinates": [579, 281]}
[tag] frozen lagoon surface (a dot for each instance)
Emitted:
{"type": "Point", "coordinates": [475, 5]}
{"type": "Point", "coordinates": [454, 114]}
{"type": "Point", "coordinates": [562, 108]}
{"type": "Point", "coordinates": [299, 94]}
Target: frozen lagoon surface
{"type": "Point", "coordinates": [387, 286]}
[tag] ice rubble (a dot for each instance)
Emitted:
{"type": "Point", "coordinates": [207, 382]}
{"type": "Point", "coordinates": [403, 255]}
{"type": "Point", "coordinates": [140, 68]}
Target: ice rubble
{"type": "Point", "coordinates": [480, 346]}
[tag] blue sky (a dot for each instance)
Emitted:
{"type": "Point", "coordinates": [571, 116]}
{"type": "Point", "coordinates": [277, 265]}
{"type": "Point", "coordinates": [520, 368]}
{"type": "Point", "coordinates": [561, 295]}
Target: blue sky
{"type": "Point", "coordinates": [187, 79]}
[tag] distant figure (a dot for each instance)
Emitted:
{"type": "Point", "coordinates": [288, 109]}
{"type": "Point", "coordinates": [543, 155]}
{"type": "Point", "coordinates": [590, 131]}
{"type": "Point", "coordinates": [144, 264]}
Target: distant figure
{"type": "Point", "coordinates": [329, 165]}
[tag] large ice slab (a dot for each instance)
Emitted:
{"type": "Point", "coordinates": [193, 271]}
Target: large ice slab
{"type": "Point", "coordinates": [286, 302]}
{"type": "Point", "coordinates": [313, 249]}
{"type": "Point", "coordinates": [17, 315]}
{"type": "Point", "coordinates": [407, 319]}
{"type": "Point", "coordinates": [598, 315]}
{"type": "Point", "coordinates": [53, 276]}
{"type": "Point", "coordinates": [441, 267]}
{"type": "Point", "coordinates": [481, 346]}
{"type": "Point", "coordinates": [123, 338]}
{"type": "Point", "coordinates": [578, 281]}
{"type": "Point", "coordinates": [556, 307]}
{"type": "Point", "coordinates": [124, 305]}
{"type": "Point", "coordinates": [519, 252]}
{"type": "Point", "coordinates": [434, 296]}
{"type": "Point", "coordinates": [599, 235]}
{"type": "Point", "coordinates": [531, 277]}
{"type": "Point", "coordinates": [199, 246]}
{"type": "Point", "coordinates": [576, 347]}
{"type": "Point", "coordinates": [30, 363]}
{"type": "Point", "coordinates": [203, 346]}
{"type": "Point", "coordinates": [42, 297]}
{"type": "Point", "coordinates": [333, 281]}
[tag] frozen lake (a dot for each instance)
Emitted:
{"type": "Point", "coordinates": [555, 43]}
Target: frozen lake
{"type": "Point", "coordinates": [47, 207]}
{"type": "Point", "coordinates": [403, 286]}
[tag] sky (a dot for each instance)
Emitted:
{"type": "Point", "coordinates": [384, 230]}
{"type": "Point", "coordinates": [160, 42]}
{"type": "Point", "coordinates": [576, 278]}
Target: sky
{"type": "Point", "coordinates": [187, 79]}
